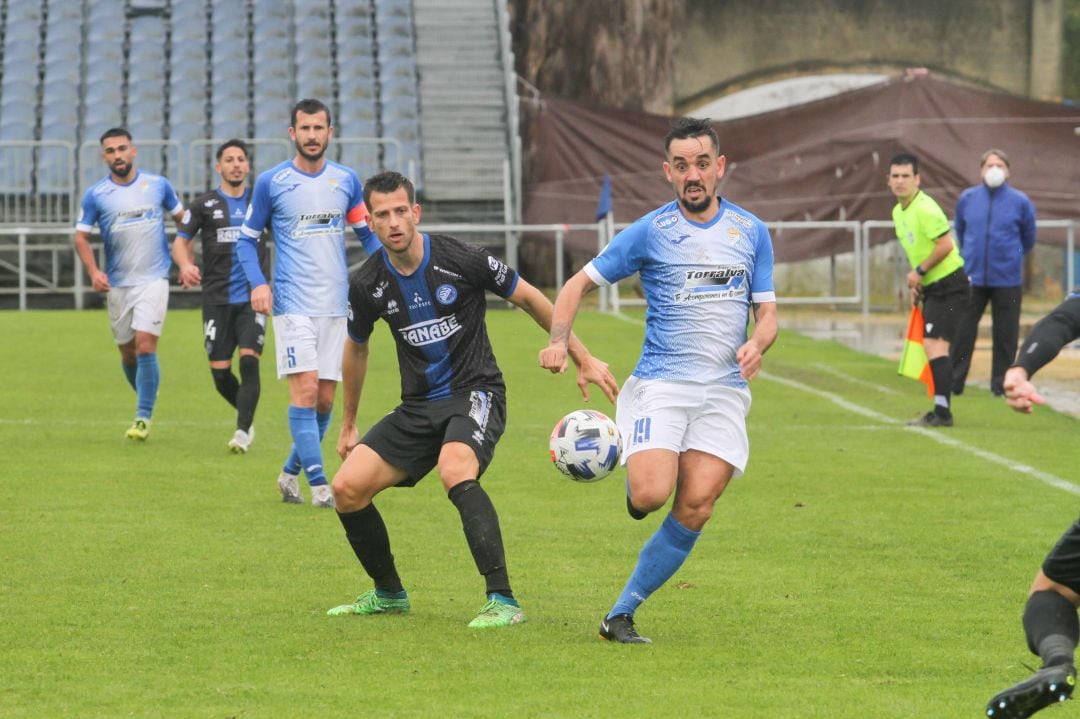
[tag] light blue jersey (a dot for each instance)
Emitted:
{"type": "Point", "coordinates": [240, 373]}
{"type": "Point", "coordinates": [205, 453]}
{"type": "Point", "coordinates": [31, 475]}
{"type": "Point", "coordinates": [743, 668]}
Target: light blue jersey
{"type": "Point", "coordinates": [309, 216]}
{"type": "Point", "coordinates": [699, 282]}
{"type": "Point", "coordinates": [131, 218]}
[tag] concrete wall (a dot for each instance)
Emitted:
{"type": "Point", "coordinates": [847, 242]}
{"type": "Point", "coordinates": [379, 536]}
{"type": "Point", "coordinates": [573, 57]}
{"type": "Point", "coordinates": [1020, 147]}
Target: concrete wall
{"type": "Point", "coordinates": [1010, 45]}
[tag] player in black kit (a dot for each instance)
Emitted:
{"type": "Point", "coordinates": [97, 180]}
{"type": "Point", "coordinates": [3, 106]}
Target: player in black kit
{"type": "Point", "coordinates": [228, 320]}
{"type": "Point", "coordinates": [431, 291]}
{"type": "Point", "coordinates": [1050, 620]}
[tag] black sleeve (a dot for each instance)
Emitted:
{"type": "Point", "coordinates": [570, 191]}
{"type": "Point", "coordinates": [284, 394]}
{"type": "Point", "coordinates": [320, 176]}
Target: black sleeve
{"type": "Point", "coordinates": [1049, 335]}
{"type": "Point", "coordinates": [488, 271]}
{"type": "Point", "coordinates": [361, 320]}
{"type": "Point", "coordinates": [191, 221]}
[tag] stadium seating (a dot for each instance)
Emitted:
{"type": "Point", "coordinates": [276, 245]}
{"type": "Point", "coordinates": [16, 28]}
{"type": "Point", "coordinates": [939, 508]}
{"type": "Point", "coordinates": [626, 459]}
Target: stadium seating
{"type": "Point", "coordinates": [71, 70]}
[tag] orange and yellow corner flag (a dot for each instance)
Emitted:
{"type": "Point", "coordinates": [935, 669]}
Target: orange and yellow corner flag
{"type": "Point", "coordinates": [913, 362]}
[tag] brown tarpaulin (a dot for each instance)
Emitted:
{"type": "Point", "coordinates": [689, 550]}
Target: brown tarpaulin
{"type": "Point", "coordinates": [823, 160]}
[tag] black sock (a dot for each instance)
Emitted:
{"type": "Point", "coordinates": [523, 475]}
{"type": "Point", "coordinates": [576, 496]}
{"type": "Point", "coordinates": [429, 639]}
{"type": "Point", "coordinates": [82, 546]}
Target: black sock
{"type": "Point", "coordinates": [1051, 626]}
{"type": "Point", "coordinates": [481, 526]}
{"type": "Point", "coordinates": [247, 396]}
{"type": "Point", "coordinates": [941, 370]}
{"type": "Point", "coordinates": [370, 542]}
{"type": "Point", "coordinates": [226, 384]}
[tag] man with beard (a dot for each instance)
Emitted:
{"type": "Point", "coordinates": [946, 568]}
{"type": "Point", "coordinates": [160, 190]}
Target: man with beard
{"type": "Point", "coordinates": [308, 202]}
{"type": "Point", "coordinates": [228, 320]}
{"type": "Point", "coordinates": [705, 265]}
{"type": "Point", "coordinates": [127, 205]}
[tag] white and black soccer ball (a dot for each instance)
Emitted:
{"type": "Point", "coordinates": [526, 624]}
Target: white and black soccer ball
{"type": "Point", "coordinates": [586, 445]}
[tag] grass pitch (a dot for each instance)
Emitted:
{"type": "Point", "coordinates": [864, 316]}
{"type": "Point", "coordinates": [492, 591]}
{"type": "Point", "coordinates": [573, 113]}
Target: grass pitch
{"type": "Point", "coordinates": [859, 569]}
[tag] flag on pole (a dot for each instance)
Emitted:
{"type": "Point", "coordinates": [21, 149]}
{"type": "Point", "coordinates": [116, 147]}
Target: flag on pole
{"type": "Point", "coordinates": [914, 362]}
{"type": "Point", "coordinates": [603, 207]}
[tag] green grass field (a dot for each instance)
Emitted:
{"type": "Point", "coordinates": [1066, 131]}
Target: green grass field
{"type": "Point", "coordinates": [860, 569]}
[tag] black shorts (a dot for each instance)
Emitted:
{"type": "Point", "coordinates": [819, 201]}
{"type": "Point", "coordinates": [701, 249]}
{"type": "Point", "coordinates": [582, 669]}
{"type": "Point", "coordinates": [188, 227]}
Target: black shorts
{"type": "Point", "coordinates": [226, 327]}
{"type": "Point", "coordinates": [1062, 564]}
{"type": "Point", "coordinates": [411, 437]}
{"type": "Point", "coordinates": [944, 303]}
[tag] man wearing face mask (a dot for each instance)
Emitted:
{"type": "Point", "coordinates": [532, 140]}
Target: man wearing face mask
{"type": "Point", "coordinates": [995, 225]}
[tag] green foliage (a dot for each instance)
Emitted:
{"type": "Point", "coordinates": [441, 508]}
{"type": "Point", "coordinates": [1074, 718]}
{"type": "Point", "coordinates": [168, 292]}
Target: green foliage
{"type": "Point", "coordinates": [858, 570]}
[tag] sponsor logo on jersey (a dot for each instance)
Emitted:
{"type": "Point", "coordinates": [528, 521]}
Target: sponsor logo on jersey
{"type": "Point", "coordinates": [418, 302]}
{"type": "Point", "coordinates": [499, 268]}
{"type": "Point", "coordinates": [445, 271]}
{"type": "Point", "coordinates": [379, 289]}
{"type": "Point", "coordinates": [666, 220]}
{"type": "Point", "coordinates": [137, 216]}
{"type": "Point", "coordinates": [282, 175]}
{"type": "Point", "coordinates": [318, 223]}
{"type": "Point", "coordinates": [741, 220]}
{"type": "Point", "coordinates": [218, 214]}
{"type": "Point", "coordinates": [721, 283]}
{"type": "Point", "coordinates": [733, 234]}
{"type": "Point", "coordinates": [446, 294]}
{"type": "Point", "coordinates": [228, 234]}
{"type": "Point", "coordinates": [679, 240]}
{"type": "Point", "coordinates": [430, 331]}
{"type": "Point", "coordinates": [209, 203]}
{"type": "Point", "coordinates": [239, 213]}
{"type": "Point", "coordinates": [392, 307]}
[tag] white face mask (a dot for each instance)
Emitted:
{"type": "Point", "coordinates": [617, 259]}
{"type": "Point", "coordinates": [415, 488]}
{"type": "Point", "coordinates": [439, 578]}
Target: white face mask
{"type": "Point", "coordinates": [994, 177]}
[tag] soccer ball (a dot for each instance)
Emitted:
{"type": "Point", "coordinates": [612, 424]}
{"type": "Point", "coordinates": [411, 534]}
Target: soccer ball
{"type": "Point", "coordinates": [585, 445]}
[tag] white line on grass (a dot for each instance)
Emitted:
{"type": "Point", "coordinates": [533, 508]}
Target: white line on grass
{"type": "Point", "coordinates": [821, 366]}
{"type": "Point", "coordinates": [1052, 480]}
{"type": "Point", "coordinates": [937, 436]}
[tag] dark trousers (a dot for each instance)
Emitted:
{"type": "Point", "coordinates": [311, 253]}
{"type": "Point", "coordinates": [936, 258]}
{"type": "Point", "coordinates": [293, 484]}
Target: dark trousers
{"type": "Point", "coordinates": [1005, 314]}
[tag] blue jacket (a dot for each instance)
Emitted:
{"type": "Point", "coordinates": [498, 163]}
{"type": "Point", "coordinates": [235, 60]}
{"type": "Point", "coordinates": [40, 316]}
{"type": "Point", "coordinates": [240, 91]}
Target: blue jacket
{"type": "Point", "coordinates": [995, 229]}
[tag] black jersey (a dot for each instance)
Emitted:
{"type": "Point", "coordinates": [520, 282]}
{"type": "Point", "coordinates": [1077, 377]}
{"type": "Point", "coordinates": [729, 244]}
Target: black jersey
{"type": "Point", "coordinates": [1057, 329]}
{"type": "Point", "coordinates": [436, 315]}
{"type": "Point", "coordinates": [219, 218]}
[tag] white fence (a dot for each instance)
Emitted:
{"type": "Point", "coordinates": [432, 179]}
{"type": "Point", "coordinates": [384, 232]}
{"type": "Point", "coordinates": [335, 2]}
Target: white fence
{"type": "Point", "coordinates": [42, 260]}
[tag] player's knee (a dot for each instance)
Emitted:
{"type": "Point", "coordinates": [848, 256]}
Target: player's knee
{"type": "Point", "coordinates": [348, 495]}
{"type": "Point", "coordinates": [648, 499]}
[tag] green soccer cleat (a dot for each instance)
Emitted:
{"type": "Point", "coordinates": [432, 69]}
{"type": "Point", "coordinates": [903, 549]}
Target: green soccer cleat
{"type": "Point", "coordinates": [498, 614]}
{"type": "Point", "coordinates": [139, 430]}
{"type": "Point", "coordinates": [371, 603]}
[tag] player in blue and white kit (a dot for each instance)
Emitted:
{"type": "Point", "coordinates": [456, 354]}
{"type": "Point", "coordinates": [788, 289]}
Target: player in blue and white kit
{"type": "Point", "coordinates": [705, 264]}
{"type": "Point", "coordinates": [129, 206]}
{"type": "Point", "coordinates": [309, 203]}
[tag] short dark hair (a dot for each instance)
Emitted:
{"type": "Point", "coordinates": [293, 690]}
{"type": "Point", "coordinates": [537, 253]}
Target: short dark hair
{"type": "Point", "coordinates": [906, 158]}
{"type": "Point", "coordinates": [387, 182]}
{"type": "Point", "coordinates": [687, 127]}
{"type": "Point", "coordinates": [994, 151]}
{"type": "Point", "coordinates": [235, 142]}
{"type": "Point", "coordinates": [310, 106]}
{"type": "Point", "coordinates": [114, 132]}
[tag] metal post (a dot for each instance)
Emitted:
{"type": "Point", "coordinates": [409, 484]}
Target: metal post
{"type": "Point", "coordinates": [80, 301]}
{"type": "Point", "coordinates": [864, 268]}
{"type": "Point", "coordinates": [1070, 257]}
{"type": "Point", "coordinates": [22, 267]}
{"type": "Point", "coordinates": [558, 259]}
{"type": "Point", "coordinates": [601, 243]}
{"type": "Point", "coordinates": [509, 237]}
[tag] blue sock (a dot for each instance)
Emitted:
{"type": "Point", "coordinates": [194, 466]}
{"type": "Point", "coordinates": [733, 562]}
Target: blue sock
{"type": "Point", "coordinates": [305, 433]}
{"type": "Point", "coordinates": [147, 379]}
{"type": "Point", "coordinates": [660, 558]}
{"type": "Point", "coordinates": [129, 372]}
{"type": "Point", "coordinates": [503, 599]}
{"type": "Point", "coordinates": [292, 464]}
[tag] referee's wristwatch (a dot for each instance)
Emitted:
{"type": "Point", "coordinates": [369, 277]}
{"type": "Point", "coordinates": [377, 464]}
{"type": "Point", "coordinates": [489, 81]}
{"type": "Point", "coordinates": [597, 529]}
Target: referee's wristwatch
{"type": "Point", "coordinates": [920, 271]}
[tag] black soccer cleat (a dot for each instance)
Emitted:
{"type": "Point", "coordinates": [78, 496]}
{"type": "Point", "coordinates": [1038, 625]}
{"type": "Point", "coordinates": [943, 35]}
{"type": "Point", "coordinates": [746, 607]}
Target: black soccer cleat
{"type": "Point", "coordinates": [633, 511]}
{"type": "Point", "coordinates": [931, 419]}
{"type": "Point", "coordinates": [1047, 686]}
{"type": "Point", "coordinates": [620, 628]}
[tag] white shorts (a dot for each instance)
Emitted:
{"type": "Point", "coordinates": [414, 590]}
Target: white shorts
{"type": "Point", "coordinates": [141, 308]}
{"type": "Point", "coordinates": [304, 344]}
{"type": "Point", "coordinates": [661, 414]}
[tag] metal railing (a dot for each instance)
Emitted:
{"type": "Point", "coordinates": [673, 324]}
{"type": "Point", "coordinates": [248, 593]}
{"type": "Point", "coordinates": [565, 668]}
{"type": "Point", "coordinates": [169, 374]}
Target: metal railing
{"type": "Point", "coordinates": [62, 273]}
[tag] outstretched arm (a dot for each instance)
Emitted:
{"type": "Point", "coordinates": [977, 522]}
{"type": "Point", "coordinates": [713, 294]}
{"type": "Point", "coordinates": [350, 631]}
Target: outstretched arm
{"type": "Point", "coordinates": [590, 369]}
{"type": "Point", "coordinates": [1047, 337]}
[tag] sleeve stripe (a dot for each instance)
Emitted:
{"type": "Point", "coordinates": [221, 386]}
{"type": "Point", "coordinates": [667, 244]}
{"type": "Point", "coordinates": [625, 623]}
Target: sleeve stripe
{"type": "Point", "coordinates": [595, 275]}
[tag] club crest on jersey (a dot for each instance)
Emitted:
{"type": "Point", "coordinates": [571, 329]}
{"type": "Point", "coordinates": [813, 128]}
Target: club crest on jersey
{"type": "Point", "coordinates": [666, 221]}
{"type": "Point", "coordinates": [722, 283]}
{"type": "Point", "coordinates": [430, 331]}
{"type": "Point", "coordinates": [446, 294]}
